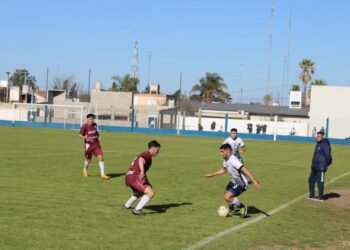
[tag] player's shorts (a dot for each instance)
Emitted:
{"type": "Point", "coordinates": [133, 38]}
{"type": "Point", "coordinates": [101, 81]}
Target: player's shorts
{"type": "Point", "coordinates": [91, 149]}
{"type": "Point", "coordinates": [235, 189]}
{"type": "Point", "coordinates": [135, 183]}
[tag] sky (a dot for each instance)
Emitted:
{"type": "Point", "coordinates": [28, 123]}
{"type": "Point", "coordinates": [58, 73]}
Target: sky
{"type": "Point", "coordinates": [188, 37]}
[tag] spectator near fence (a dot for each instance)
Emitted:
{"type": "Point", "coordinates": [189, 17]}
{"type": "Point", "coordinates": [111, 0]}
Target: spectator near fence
{"type": "Point", "coordinates": [212, 126]}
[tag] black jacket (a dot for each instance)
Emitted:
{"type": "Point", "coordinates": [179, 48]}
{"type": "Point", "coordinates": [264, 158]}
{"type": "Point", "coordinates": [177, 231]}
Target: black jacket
{"type": "Point", "coordinates": [322, 156]}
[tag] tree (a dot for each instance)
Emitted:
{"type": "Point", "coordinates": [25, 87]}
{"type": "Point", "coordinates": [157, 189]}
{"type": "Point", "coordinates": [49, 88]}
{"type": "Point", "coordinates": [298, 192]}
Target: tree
{"type": "Point", "coordinates": [318, 82]}
{"type": "Point", "coordinates": [68, 84]}
{"type": "Point", "coordinates": [126, 83]}
{"type": "Point", "coordinates": [267, 99]}
{"type": "Point", "coordinates": [114, 87]}
{"type": "Point", "coordinates": [307, 71]}
{"type": "Point", "coordinates": [146, 90]}
{"type": "Point", "coordinates": [22, 77]}
{"type": "Point", "coordinates": [295, 87]}
{"type": "Point", "coordinates": [211, 89]}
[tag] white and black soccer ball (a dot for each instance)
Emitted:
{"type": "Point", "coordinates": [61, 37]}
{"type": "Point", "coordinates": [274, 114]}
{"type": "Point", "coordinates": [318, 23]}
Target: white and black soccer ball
{"type": "Point", "coordinates": [223, 211]}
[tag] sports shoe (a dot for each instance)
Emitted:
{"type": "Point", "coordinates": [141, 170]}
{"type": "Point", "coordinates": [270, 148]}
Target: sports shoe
{"type": "Point", "coordinates": [137, 212]}
{"type": "Point", "coordinates": [243, 211]}
{"type": "Point", "coordinates": [104, 177]}
{"type": "Point", "coordinates": [231, 209]}
{"type": "Point", "coordinates": [313, 198]}
{"type": "Point", "coordinates": [85, 172]}
{"type": "Point", "coordinates": [125, 208]}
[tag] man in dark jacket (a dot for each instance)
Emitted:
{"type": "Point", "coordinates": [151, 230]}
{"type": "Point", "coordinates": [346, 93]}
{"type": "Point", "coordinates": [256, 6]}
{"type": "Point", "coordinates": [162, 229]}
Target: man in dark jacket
{"type": "Point", "coordinates": [320, 162]}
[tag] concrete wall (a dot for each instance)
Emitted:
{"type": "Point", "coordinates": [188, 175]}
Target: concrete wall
{"type": "Point", "coordinates": [283, 128]}
{"type": "Point", "coordinates": [149, 100]}
{"type": "Point", "coordinates": [332, 102]}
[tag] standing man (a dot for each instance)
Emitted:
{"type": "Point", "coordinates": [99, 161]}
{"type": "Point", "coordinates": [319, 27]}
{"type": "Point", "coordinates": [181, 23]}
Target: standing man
{"type": "Point", "coordinates": [137, 180]}
{"type": "Point", "coordinates": [92, 146]}
{"type": "Point", "coordinates": [238, 183]}
{"type": "Point", "coordinates": [320, 162]}
{"type": "Point", "coordinates": [236, 143]}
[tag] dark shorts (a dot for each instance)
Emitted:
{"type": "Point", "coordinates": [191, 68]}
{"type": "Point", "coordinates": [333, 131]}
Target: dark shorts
{"type": "Point", "coordinates": [135, 183]}
{"type": "Point", "coordinates": [91, 150]}
{"type": "Point", "coordinates": [235, 189]}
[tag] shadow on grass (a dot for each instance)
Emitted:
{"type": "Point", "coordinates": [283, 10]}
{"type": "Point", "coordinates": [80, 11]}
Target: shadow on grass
{"type": "Point", "coordinates": [115, 175]}
{"type": "Point", "coordinates": [164, 207]}
{"type": "Point", "coordinates": [331, 196]}
{"type": "Point", "coordinates": [254, 210]}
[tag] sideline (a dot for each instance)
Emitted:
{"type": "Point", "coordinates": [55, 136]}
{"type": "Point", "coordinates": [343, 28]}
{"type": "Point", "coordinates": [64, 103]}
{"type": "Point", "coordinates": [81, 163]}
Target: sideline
{"type": "Point", "coordinates": [216, 236]}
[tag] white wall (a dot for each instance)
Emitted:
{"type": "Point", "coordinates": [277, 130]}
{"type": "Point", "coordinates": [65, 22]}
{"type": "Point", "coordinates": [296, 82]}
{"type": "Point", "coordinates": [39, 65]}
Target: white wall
{"type": "Point", "coordinates": [332, 102]}
{"type": "Point", "coordinates": [283, 128]}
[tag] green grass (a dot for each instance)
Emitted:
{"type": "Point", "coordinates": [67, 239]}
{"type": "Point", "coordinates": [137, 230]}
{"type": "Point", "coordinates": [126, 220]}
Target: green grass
{"type": "Point", "coordinates": [46, 203]}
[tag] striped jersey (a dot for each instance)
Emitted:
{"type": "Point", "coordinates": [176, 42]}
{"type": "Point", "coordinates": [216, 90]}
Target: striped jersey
{"type": "Point", "coordinates": [235, 145]}
{"type": "Point", "coordinates": [233, 167]}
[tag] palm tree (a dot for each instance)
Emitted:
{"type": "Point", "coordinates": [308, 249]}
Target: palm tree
{"type": "Point", "coordinates": [295, 87]}
{"type": "Point", "coordinates": [126, 83]}
{"type": "Point", "coordinates": [211, 88]}
{"type": "Point", "coordinates": [307, 70]}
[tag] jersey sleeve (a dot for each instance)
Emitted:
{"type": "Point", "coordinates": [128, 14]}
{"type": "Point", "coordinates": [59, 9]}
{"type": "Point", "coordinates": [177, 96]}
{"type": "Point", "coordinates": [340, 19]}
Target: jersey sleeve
{"type": "Point", "coordinates": [242, 143]}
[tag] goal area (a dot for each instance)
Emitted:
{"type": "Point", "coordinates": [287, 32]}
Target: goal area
{"type": "Point", "coordinates": [49, 115]}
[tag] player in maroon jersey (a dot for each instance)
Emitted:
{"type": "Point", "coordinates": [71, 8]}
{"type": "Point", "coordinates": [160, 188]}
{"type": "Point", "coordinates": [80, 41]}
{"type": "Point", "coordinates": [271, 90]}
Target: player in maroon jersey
{"type": "Point", "coordinates": [92, 145]}
{"type": "Point", "coordinates": [137, 180]}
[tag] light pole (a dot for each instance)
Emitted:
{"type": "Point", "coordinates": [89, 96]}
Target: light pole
{"type": "Point", "coordinates": [8, 86]}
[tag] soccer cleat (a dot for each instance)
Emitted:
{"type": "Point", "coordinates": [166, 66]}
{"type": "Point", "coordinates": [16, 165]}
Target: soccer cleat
{"type": "Point", "coordinates": [243, 211]}
{"type": "Point", "coordinates": [125, 208]}
{"type": "Point", "coordinates": [137, 212]}
{"type": "Point", "coordinates": [85, 172]}
{"type": "Point", "coordinates": [104, 177]}
{"type": "Point", "coordinates": [231, 209]}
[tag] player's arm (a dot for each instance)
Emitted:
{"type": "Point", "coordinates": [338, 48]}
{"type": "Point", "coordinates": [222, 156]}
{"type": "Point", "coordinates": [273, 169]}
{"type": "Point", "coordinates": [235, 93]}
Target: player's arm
{"type": "Point", "coordinates": [216, 173]}
{"type": "Point", "coordinates": [82, 133]}
{"type": "Point", "coordinates": [251, 177]}
{"type": "Point", "coordinates": [142, 169]}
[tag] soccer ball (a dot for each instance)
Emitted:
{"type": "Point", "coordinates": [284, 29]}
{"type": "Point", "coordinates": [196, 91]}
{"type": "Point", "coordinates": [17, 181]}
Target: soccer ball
{"type": "Point", "coordinates": [223, 211]}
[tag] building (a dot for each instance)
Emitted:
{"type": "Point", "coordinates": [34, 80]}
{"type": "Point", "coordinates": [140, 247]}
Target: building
{"type": "Point", "coordinates": [332, 103]}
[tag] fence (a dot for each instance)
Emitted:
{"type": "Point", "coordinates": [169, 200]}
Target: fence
{"type": "Point", "coordinates": [144, 121]}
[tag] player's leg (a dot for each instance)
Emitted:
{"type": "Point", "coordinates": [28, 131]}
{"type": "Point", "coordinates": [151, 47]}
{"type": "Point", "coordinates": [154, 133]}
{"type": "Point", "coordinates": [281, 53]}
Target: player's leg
{"type": "Point", "coordinates": [231, 194]}
{"type": "Point", "coordinates": [147, 196]}
{"type": "Point", "coordinates": [132, 199]}
{"type": "Point", "coordinates": [312, 181]}
{"type": "Point", "coordinates": [101, 163]}
{"type": "Point", "coordinates": [88, 156]}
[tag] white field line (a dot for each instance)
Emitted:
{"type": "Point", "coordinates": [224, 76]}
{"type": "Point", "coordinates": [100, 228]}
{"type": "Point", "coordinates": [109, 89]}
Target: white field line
{"type": "Point", "coordinates": [216, 236]}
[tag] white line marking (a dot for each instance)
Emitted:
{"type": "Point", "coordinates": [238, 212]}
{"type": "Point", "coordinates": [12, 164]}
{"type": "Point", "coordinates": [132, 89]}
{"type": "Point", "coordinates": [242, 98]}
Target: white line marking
{"type": "Point", "coordinates": [216, 236]}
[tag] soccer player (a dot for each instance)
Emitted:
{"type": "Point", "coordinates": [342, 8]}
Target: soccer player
{"type": "Point", "coordinates": [90, 135]}
{"type": "Point", "coordinates": [236, 143]}
{"type": "Point", "coordinates": [238, 183]}
{"type": "Point", "coordinates": [137, 180]}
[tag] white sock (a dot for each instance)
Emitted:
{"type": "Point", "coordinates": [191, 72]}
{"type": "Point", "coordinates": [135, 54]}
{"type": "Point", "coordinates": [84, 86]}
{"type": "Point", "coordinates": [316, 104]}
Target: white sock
{"type": "Point", "coordinates": [130, 201]}
{"type": "Point", "coordinates": [102, 167]}
{"type": "Point", "coordinates": [142, 202]}
{"type": "Point", "coordinates": [86, 164]}
{"type": "Point", "coordinates": [236, 202]}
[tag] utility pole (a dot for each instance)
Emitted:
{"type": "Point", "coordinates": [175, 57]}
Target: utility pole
{"type": "Point", "coordinates": [8, 86]}
{"type": "Point", "coordinates": [149, 67]}
{"type": "Point", "coordinates": [89, 82]}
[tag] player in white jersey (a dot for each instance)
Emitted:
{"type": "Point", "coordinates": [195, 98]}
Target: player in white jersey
{"type": "Point", "coordinates": [238, 179]}
{"type": "Point", "coordinates": [236, 143]}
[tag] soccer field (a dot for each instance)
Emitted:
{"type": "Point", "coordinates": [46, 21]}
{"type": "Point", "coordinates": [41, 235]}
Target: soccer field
{"type": "Point", "coordinates": [46, 203]}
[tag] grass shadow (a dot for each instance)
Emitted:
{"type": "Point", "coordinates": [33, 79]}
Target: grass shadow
{"type": "Point", "coordinates": [162, 208]}
{"type": "Point", "coordinates": [331, 195]}
{"type": "Point", "coordinates": [115, 175]}
{"type": "Point", "coordinates": [254, 210]}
